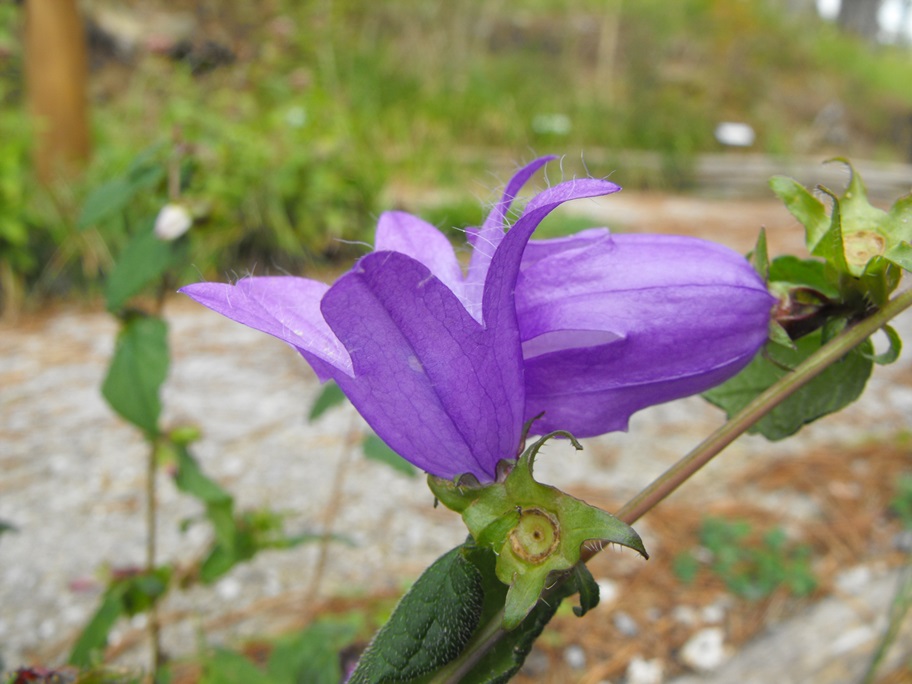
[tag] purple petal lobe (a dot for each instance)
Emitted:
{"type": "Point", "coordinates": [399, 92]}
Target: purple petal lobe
{"type": "Point", "coordinates": [285, 307]}
{"type": "Point", "coordinates": [486, 239]}
{"type": "Point", "coordinates": [428, 377]}
{"type": "Point", "coordinates": [400, 232]}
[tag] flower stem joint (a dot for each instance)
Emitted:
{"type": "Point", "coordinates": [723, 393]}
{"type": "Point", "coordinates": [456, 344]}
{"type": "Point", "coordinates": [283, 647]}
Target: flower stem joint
{"type": "Point", "coordinates": [534, 529]}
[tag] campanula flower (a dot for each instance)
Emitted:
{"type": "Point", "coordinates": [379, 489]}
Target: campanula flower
{"type": "Point", "coordinates": [431, 359]}
{"type": "Point", "coordinates": [447, 366]}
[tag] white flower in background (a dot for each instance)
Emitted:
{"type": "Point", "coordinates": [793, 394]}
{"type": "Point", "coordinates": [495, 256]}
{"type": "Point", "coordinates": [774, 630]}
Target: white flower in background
{"type": "Point", "coordinates": [172, 221]}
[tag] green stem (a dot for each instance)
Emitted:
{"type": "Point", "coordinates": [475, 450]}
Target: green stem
{"type": "Point", "coordinates": [490, 633]}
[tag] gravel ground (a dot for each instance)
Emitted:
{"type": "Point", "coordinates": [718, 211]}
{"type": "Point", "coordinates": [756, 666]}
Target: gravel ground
{"type": "Point", "coordinates": [71, 473]}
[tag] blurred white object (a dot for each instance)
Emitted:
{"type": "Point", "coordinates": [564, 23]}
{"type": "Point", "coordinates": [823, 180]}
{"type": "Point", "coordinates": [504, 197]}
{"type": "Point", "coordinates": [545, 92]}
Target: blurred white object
{"type": "Point", "coordinates": [735, 134]}
{"type": "Point", "coordinates": [172, 221]}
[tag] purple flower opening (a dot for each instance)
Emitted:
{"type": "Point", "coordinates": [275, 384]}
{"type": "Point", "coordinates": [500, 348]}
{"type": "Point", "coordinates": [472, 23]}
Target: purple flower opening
{"type": "Point", "coordinates": [446, 367]}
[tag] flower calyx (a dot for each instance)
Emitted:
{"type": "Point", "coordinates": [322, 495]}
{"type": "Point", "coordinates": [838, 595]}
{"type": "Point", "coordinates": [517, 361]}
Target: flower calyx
{"type": "Point", "coordinates": [534, 529]}
{"type": "Point", "coordinates": [865, 249]}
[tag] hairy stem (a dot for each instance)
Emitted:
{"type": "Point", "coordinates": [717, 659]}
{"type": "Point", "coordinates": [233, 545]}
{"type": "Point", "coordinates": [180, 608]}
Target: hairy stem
{"type": "Point", "coordinates": [489, 634]}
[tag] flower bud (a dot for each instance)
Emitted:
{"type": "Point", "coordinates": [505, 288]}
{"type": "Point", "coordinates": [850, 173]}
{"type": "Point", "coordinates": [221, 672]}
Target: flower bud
{"type": "Point", "coordinates": [172, 221]}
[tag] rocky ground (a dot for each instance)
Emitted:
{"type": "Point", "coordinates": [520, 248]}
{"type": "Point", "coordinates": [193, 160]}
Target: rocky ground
{"type": "Point", "coordinates": [72, 480]}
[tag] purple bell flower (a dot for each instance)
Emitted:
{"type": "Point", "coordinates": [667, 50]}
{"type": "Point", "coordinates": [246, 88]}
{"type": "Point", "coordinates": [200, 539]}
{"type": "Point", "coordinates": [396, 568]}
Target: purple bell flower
{"type": "Point", "coordinates": [430, 359]}
{"type": "Point", "coordinates": [447, 367]}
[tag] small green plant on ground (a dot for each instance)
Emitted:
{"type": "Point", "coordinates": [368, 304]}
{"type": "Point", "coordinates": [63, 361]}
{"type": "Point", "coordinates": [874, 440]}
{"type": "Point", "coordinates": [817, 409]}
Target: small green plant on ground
{"type": "Point", "coordinates": [750, 568]}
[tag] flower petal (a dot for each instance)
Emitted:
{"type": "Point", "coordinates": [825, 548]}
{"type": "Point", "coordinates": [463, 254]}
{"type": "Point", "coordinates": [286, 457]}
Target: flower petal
{"type": "Point", "coordinates": [486, 239]}
{"type": "Point", "coordinates": [285, 307]}
{"type": "Point", "coordinates": [400, 232]}
{"type": "Point", "coordinates": [428, 377]}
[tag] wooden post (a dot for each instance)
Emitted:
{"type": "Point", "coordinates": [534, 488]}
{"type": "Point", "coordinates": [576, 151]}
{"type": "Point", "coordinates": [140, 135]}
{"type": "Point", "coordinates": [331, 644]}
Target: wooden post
{"type": "Point", "coordinates": [56, 73]}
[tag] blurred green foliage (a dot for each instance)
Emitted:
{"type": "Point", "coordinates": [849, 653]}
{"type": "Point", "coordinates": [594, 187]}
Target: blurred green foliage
{"type": "Point", "coordinates": [751, 568]}
{"type": "Point", "coordinates": [290, 146]}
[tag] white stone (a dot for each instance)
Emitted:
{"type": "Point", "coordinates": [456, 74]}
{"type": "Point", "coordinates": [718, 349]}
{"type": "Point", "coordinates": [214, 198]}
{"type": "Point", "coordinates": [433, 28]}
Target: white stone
{"type": "Point", "coordinates": [575, 657]}
{"type": "Point", "coordinates": [853, 580]}
{"type": "Point", "coordinates": [705, 651]}
{"type": "Point", "coordinates": [608, 591]}
{"type": "Point", "coordinates": [641, 671]}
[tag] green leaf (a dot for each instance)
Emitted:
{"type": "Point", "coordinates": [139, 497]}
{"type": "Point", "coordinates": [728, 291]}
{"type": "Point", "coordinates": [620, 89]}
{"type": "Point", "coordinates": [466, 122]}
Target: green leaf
{"type": "Point", "coordinates": [838, 386]}
{"type": "Point", "coordinates": [312, 655]}
{"type": "Point", "coordinates": [588, 590]}
{"type": "Point", "coordinates": [144, 260]}
{"type": "Point", "coordinates": [809, 211]}
{"type": "Point", "coordinates": [105, 201]}
{"type": "Point", "coordinates": [229, 667]}
{"type": "Point", "coordinates": [376, 449]}
{"type": "Point", "coordinates": [90, 645]}
{"type": "Point", "coordinates": [143, 590]}
{"type": "Point", "coordinates": [431, 625]}
{"type": "Point", "coordinates": [330, 396]}
{"type": "Point", "coordinates": [137, 371]}
{"type": "Point", "coordinates": [116, 195]}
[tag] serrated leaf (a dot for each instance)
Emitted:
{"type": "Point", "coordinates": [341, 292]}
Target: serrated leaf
{"type": "Point", "coordinates": [144, 260]}
{"type": "Point", "coordinates": [809, 211]}
{"type": "Point", "coordinates": [376, 449]}
{"type": "Point", "coordinates": [431, 625]}
{"type": "Point", "coordinates": [329, 397]}
{"type": "Point", "coordinates": [838, 386]}
{"type": "Point", "coordinates": [137, 371]}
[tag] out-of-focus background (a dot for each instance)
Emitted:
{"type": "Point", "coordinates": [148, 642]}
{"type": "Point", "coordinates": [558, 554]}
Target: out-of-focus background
{"type": "Point", "coordinates": [289, 127]}
{"type": "Point", "coordinates": [302, 120]}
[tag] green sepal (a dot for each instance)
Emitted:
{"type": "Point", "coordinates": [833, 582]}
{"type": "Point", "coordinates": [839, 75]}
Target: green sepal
{"type": "Point", "coordinates": [865, 248]}
{"type": "Point", "coordinates": [534, 529]}
{"type": "Point", "coordinates": [759, 257]}
{"type": "Point", "coordinates": [891, 354]}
